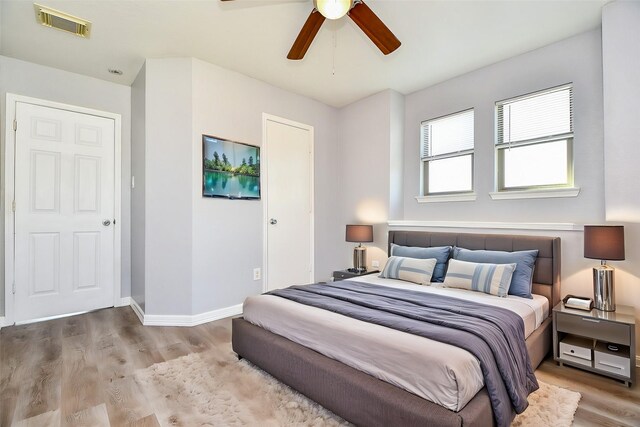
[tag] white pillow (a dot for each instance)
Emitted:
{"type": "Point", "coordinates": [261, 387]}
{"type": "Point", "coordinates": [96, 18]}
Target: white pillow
{"type": "Point", "coordinates": [491, 279]}
{"type": "Point", "coordinates": [409, 269]}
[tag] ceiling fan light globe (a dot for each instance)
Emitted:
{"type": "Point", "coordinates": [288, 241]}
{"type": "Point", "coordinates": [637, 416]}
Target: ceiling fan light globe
{"type": "Point", "coordinates": [333, 9]}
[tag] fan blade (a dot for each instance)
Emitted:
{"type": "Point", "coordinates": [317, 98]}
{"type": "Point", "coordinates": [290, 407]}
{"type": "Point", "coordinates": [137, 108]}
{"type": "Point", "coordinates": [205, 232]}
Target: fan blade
{"type": "Point", "coordinates": [306, 36]}
{"type": "Point", "coordinates": [374, 28]}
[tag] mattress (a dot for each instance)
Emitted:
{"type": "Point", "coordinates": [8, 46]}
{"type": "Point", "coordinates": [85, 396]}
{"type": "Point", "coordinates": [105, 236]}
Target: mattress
{"type": "Point", "coordinates": [440, 373]}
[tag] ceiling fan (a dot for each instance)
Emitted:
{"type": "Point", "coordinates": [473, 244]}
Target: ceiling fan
{"type": "Point", "coordinates": [359, 12]}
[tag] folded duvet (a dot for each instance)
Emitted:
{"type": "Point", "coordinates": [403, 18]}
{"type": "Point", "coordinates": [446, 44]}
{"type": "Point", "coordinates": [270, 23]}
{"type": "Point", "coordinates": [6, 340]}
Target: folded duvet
{"type": "Point", "coordinates": [495, 336]}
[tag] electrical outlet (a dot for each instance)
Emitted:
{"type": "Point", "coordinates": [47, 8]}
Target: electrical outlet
{"type": "Point", "coordinates": [257, 274]}
{"type": "Point", "coordinates": [375, 263]}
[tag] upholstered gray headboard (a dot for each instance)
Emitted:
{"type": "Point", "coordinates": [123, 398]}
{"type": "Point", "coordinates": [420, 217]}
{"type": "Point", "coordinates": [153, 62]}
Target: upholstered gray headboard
{"type": "Point", "coordinates": [546, 276]}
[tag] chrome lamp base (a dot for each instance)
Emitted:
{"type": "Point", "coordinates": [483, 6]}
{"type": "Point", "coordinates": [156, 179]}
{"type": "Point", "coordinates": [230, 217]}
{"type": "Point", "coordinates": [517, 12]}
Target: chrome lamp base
{"type": "Point", "coordinates": [360, 258]}
{"type": "Point", "coordinates": [604, 293]}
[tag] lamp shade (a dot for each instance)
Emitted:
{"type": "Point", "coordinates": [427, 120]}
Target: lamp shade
{"type": "Point", "coordinates": [359, 233]}
{"type": "Point", "coordinates": [604, 242]}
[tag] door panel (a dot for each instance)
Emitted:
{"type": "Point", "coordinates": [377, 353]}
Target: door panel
{"type": "Point", "coordinates": [86, 260]}
{"type": "Point", "coordinates": [45, 181]}
{"type": "Point", "coordinates": [64, 190]}
{"type": "Point", "coordinates": [87, 184]}
{"type": "Point", "coordinates": [44, 249]}
{"type": "Point", "coordinates": [289, 203]}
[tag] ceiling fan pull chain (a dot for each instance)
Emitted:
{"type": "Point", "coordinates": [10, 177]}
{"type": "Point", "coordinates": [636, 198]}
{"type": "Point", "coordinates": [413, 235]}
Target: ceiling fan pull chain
{"type": "Point", "coordinates": [335, 44]}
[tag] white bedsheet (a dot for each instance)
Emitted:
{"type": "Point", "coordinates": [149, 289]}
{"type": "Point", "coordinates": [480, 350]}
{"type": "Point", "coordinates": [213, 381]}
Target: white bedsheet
{"type": "Point", "coordinates": [440, 373]}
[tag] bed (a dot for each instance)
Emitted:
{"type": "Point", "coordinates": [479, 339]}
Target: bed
{"type": "Point", "coordinates": [362, 397]}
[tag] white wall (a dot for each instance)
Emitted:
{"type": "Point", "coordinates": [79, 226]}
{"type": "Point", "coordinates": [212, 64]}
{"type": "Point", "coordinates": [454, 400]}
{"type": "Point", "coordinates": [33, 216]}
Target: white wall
{"type": "Point", "coordinates": [621, 59]}
{"type": "Point", "coordinates": [24, 78]}
{"type": "Point", "coordinates": [227, 234]}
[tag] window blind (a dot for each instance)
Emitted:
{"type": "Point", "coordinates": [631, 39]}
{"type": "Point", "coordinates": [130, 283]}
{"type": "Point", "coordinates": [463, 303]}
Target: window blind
{"type": "Point", "coordinates": [540, 115]}
{"type": "Point", "coordinates": [446, 135]}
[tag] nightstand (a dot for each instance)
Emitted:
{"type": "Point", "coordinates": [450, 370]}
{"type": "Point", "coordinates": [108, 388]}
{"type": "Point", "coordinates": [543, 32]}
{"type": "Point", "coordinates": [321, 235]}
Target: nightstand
{"type": "Point", "coordinates": [581, 339]}
{"type": "Point", "coordinates": [346, 274]}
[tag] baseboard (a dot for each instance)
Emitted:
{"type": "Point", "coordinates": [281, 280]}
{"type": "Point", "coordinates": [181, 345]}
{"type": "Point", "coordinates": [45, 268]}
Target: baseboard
{"type": "Point", "coordinates": [137, 310]}
{"type": "Point", "coordinates": [185, 320]}
{"type": "Point", "coordinates": [124, 302]}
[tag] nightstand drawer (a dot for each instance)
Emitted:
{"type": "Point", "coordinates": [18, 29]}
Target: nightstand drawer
{"type": "Point", "coordinates": [576, 350]}
{"type": "Point", "coordinates": [346, 274]}
{"type": "Point", "coordinates": [615, 362]}
{"type": "Point", "coordinates": [594, 328]}
{"type": "Point", "coordinates": [339, 275]}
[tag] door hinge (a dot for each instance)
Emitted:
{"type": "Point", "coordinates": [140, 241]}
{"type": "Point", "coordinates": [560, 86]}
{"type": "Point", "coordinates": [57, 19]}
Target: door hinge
{"type": "Point", "coordinates": [13, 287]}
{"type": "Point", "coordinates": [15, 124]}
{"type": "Point", "coordinates": [13, 206]}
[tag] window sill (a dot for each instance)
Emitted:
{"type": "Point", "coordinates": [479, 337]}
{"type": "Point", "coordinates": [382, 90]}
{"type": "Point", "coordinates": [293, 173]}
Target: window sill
{"type": "Point", "coordinates": [460, 197]}
{"type": "Point", "coordinates": [536, 194]}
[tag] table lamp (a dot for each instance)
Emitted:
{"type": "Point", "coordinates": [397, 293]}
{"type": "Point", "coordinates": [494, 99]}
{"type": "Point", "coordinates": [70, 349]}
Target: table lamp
{"type": "Point", "coordinates": [359, 234]}
{"type": "Point", "coordinates": [606, 243]}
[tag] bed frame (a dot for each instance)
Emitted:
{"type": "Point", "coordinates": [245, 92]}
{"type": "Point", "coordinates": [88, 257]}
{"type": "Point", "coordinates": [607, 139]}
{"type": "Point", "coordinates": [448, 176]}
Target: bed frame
{"type": "Point", "coordinates": [364, 400]}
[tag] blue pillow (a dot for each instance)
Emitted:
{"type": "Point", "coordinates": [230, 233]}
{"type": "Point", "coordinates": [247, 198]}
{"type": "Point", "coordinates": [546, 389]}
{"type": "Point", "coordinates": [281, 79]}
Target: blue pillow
{"type": "Point", "coordinates": [523, 275]}
{"type": "Point", "coordinates": [440, 253]}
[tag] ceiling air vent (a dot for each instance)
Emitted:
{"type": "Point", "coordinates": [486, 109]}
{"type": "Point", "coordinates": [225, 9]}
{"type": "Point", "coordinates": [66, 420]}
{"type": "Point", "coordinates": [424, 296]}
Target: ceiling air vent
{"type": "Point", "coordinates": [62, 21]}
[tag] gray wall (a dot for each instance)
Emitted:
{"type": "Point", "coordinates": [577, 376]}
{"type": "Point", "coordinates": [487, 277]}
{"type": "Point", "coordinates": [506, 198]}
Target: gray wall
{"type": "Point", "coordinates": [621, 59]}
{"type": "Point", "coordinates": [228, 235]}
{"type": "Point", "coordinates": [138, 138]}
{"type": "Point", "coordinates": [370, 154]}
{"type": "Point", "coordinates": [578, 60]}
{"type": "Point", "coordinates": [396, 156]}
{"type": "Point", "coordinates": [621, 54]}
{"type": "Point", "coordinates": [24, 78]}
{"type": "Point", "coordinates": [364, 130]}
{"type": "Point", "coordinates": [199, 253]}
{"type": "Point", "coordinates": [168, 182]}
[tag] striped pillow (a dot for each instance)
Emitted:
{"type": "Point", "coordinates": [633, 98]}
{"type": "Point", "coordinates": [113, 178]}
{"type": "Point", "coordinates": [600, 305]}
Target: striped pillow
{"type": "Point", "coordinates": [409, 269]}
{"type": "Point", "coordinates": [491, 279]}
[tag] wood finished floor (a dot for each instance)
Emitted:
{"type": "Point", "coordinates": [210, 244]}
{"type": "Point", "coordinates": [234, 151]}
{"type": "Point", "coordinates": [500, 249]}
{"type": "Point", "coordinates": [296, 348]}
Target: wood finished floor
{"type": "Point", "coordinates": [78, 371]}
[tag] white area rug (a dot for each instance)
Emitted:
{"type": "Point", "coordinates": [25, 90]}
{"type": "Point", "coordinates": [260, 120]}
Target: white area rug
{"type": "Point", "coordinates": [213, 389]}
{"type": "Point", "coordinates": [550, 405]}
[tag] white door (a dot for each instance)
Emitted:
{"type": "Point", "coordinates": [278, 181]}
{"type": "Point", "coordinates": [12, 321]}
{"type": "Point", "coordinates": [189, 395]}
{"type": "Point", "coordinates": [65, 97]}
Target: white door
{"type": "Point", "coordinates": [64, 193]}
{"type": "Point", "coordinates": [288, 152]}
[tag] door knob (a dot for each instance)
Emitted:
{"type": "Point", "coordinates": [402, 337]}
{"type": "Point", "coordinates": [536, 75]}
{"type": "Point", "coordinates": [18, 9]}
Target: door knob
{"type": "Point", "coordinates": [273, 221]}
{"type": "Point", "coordinates": [106, 222]}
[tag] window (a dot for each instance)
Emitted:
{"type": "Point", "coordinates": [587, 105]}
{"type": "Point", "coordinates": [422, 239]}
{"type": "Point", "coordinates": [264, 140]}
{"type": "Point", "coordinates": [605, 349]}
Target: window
{"type": "Point", "coordinates": [447, 154]}
{"type": "Point", "coordinates": [534, 140]}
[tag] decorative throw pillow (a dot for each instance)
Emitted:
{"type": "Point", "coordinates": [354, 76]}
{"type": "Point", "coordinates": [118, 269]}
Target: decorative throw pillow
{"type": "Point", "coordinates": [409, 269]}
{"type": "Point", "coordinates": [440, 253]}
{"type": "Point", "coordinates": [525, 263]}
{"type": "Point", "coordinates": [491, 279]}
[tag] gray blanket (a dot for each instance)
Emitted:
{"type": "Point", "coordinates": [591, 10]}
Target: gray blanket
{"type": "Point", "coordinates": [495, 336]}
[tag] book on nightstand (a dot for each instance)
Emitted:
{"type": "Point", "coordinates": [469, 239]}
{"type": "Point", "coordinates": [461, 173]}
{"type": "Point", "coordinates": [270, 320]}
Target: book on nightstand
{"type": "Point", "coordinates": [579, 303]}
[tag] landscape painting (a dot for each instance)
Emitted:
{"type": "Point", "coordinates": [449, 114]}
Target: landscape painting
{"type": "Point", "coordinates": [230, 169]}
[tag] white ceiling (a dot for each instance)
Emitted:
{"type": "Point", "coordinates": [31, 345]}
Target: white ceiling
{"type": "Point", "coordinates": [440, 39]}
